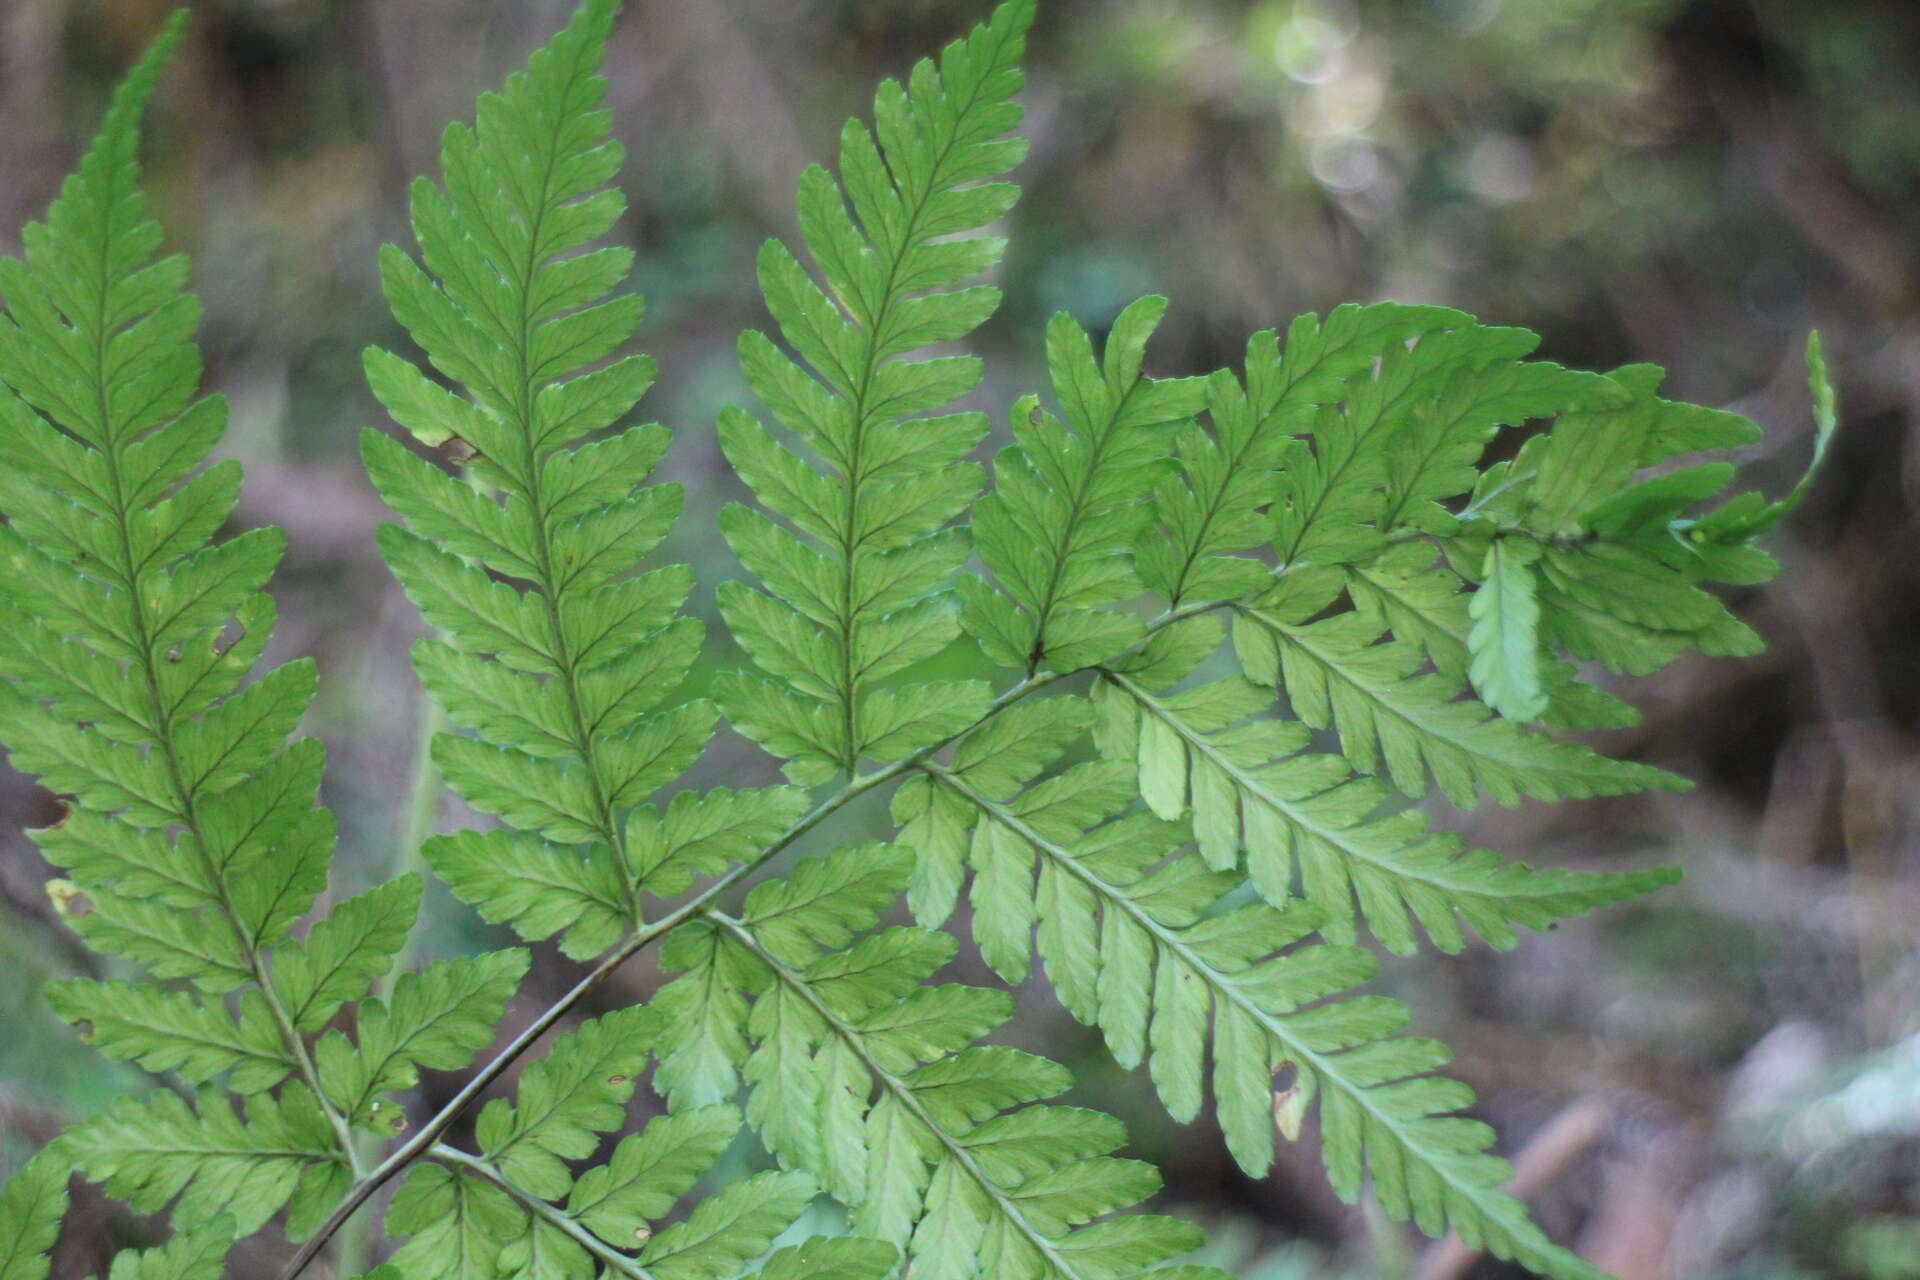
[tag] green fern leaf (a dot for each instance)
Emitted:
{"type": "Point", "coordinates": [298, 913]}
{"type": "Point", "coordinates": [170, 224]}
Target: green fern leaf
{"type": "Point", "coordinates": [458, 1225]}
{"type": "Point", "coordinates": [1412, 431]}
{"type": "Point", "coordinates": [824, 1258]}
{"type": "Point", "coordinates": [884, 239]}
{"type": "Point", "coordinates": [171, 1031]}
{"type": "Point", "coordinates": [1253, 789]}
{"type": "Point", "coordinates": [649, 1171]}
{"type": "Point", "coordinates": [190, 1255]}
{"type": "Point", "coordinates": [570, 734]}
{"type": "Point", "coordinates": [1068, 508]}
{"type": "Point", "coordinates": [704, 833]}
{"type": "Point", "coordinates": [728, 1230]}
{"type": "Point", "coordinates": [895, 1089]}
{"type": "Point", "coordinates": [1505, 639]}
{"type": "Point", "coordinates": [1135, 949]}
{"type": "Point", "coordinates": [1336, 675]}
{"type": "Point", "coordinates": [438, 1018]}
{"type": "Point", "coordinates": [540, 888]}
{"type": "Point", "coordinates": [32, 1204]}
{"type": "Point", "coordinates": [1621, 567]}
{"type": "Point", "coordinates": [706, 1010]}
{"type": "Point", "coordinates": [345, 952]}
{"type": "Point", "coordinates": [565, 1100]}
{"type": "Point", "coordinates": [471, 1217]}
{"type": "Point", "coordinates": [1207, 522]}
{"type": "Point", "coordinates": [1424, 603]}
{"type": "Point", "coordinates": [147, 1151]}
{"type": "Point", "coordinates": [1330, 501]}
{"type": "Point", "coordinates": [193, 838]}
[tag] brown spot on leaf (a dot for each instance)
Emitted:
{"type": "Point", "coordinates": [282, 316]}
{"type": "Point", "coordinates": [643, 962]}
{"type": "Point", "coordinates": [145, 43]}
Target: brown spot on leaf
{"type": "Point", "coordinates": [69, 899]}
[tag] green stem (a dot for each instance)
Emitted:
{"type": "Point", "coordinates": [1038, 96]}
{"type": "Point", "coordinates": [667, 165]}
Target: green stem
{"type": "Point", "coordinates": [700, 904]}
{"type": "Point", "coordinates": [422, 816]}
{"type": "Point", "coordinates": [551, 1214]}
{"type": "Point", "coordinates": [425, 793]}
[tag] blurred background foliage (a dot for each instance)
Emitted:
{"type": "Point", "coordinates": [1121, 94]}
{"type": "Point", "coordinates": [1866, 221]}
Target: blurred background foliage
{"type": "Point", "coordinates": [1724, 1082]}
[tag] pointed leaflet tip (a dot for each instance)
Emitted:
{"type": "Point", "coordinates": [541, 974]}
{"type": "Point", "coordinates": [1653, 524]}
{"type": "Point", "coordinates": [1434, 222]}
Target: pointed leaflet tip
{"type": "Point", "coordinates": [595, 16]}
{"type": "Point", "coordinates": [1746, 516]}
{"type": "Point", "coordinates": [111, 157]}
{"type": "Point", "coordinates": [1016, 14]}
{"type": "Point", "coordinates": [130, 98]}
{"type": "Point", "coordinates": [1826, 413]}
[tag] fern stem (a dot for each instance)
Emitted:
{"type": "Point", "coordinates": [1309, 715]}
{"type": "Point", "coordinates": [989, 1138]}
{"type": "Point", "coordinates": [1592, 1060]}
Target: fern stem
{"type": "Point", "coordinates": [425, 790]}
{"type": "Point", "coordinates": [423, 805]}
{"type": "Point", "coordinates": [549, 1213]}
{"type": "Point", "coordinates": [701, 903]}
{"type": "Point", "coordinates": [904, 1095]}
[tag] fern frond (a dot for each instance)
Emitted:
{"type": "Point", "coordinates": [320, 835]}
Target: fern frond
{"type": "Point", "coordinates": [650, 1170]}
{"type": "Point", "coordinates": [561, 662]}
{"type": "Point", "coordinates": [1131, 947]}
{"type": "Point", "coordinates": [1068, 507]}
{"type": "Point", "coordinates": [192, 837]}
{"type": "Point", "coordinates": [863, 1077]}
{"type": "Point", "coordinates": [871, 552]}
{"type": "Point", "coordinates": [1617, 567]}
{"type": "Point", "coordinates": [1250, 785]}
{"type": "Point", "coordinates": [1423, 602]}
{"type": "Point", "coordinates": [517, 1209]}
{"type": "Point", "coordinates": [580, 1089]}
{"type": "Point", "coordinates": [341, 955]}
{"type": "Point", "coordinates": [824, 1258]}
{"type": "Point", "coordinates": [1230, 474]}
{"type": "Point", "coordinates": [467, 1219]}
{"type": "Point", "coordinates": [280, 1153]}
{"type": "Point", "coordinates": [190, 1255]}
{"type": "Point", "coordinates": [728, 1230]}
{"type": "Point", "coordinates": [438, 1018]}
{"type": "Point", "coordinates": [458, 1225]}
{"type": "Point", "coordinates": [1408, 435]}
{"type": "Point", "coordinates": [32, 1203]}
{"type": "Point", "coordinates": [171, 1031]}
{"type": "Point", "coordinates": [1338, 672]}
